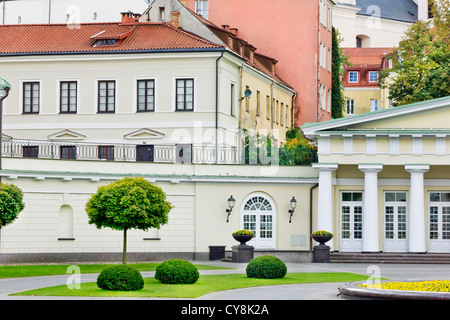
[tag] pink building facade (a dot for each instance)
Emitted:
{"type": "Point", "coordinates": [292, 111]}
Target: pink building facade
{"type": "Point", "coordinates": [297, 33]}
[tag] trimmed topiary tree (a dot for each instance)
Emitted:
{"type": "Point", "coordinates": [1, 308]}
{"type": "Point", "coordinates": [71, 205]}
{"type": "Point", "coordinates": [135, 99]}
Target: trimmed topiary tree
{"type": "Point", "coordinates": [11, 203]}
{"type": "Point", "coordinates": [130, 203]}
{"type": "Point", "coordinates": [266, 267]}
{"type": "Point", "coordinates": [120, 278]}
{"type": "Point", "coordinates": [176, 271]}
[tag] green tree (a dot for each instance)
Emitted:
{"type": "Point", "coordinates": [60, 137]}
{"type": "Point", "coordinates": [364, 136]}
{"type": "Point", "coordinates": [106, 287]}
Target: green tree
{"type": "Point", "coordinates": [339, 60]}
{"type": "Point", "coordinates": [421, 63]}
{"type": "Point", "coordinates": [11, 203]}
{"type": "Point", "coordinates": [129, 203]}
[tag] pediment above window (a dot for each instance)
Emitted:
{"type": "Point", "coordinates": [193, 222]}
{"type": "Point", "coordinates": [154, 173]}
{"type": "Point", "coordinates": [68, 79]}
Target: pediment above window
{"type": "Point", "coordinates": [66, 135]}
{"type": "Point", "coordinates": [144, 134]}
{"type": "Point", "coordinates": [5, 137]}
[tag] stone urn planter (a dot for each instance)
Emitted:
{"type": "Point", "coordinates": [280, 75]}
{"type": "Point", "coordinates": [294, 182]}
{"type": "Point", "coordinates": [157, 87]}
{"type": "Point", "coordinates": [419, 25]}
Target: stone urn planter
{"type": "Point", "coordinates": [322, 239]}
{"type": "Point", "coordinates": [321, 252]}
{"type": "Point", "coordinates": [242, 238]}
{"type": "Point", "coordinates": [242, 253]}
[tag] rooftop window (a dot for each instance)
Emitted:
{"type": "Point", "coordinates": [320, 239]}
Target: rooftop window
{"type": "Point", "coordinates": [105, 42]}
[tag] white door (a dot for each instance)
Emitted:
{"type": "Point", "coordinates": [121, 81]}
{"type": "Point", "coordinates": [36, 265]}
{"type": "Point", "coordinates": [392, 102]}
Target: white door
{"type": "Point", "coordinates": [439, 222]}
{"type": "Point", "coordinates": [351, 221]}
{"type": "Point", "coordinates": [395, 222]}
{"type": "Point", "coordinates": [258, 216]}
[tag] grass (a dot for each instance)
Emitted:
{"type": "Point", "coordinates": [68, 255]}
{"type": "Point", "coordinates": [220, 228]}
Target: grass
{"type": "Point", "coordinates": [52, 270]}
{"type": "Point", "coordinates": [206, 284]}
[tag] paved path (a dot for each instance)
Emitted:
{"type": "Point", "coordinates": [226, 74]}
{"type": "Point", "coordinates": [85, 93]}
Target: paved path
{"type": "Point", "coordinates": [315, 291]}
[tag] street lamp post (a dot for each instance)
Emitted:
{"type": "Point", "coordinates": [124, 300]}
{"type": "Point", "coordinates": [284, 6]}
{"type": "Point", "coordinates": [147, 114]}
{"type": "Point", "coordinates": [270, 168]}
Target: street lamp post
{"type": "Point", "coordinates": [4, 91]}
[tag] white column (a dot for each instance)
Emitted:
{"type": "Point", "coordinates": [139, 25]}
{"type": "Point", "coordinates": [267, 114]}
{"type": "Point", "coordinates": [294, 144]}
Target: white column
{"type": "Point", "coordinates": [370, 233]}
{"type": "Point", "coordinates": [325, 201]}
{"type": "Point", "coordinates": [416, 236]}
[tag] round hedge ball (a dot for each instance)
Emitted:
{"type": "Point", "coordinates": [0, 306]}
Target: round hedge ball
{"type": "Point", "coordinates": [176, 271]}
{"type": "Point", "coordinates": [266, 267]}
{"type": "Point", "coordinates": [120, 278]}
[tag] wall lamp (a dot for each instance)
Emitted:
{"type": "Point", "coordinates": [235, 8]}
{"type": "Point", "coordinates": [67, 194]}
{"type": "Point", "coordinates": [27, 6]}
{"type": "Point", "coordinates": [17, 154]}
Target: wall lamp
{"type": "Point", "coordinates": [293, 204]}
{"type": "Point", "coordinates": [231, 203]}
{"type": "Point", "coordinates": [247, 94]}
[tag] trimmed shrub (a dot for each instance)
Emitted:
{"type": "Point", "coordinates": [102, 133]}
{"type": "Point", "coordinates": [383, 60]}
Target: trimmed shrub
{"type": "Point", "coordinates": [176, 271]}
{"type": "Point", "coordinates": [120, 278]}
{"type": "Point", "coordinates": [266, 267]}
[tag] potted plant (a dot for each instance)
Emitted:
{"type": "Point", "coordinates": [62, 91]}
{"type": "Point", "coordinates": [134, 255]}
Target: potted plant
{"type": "Point", "coordinates": [242, 236]}
{"type": "Point", "coordinates": [322, 236]}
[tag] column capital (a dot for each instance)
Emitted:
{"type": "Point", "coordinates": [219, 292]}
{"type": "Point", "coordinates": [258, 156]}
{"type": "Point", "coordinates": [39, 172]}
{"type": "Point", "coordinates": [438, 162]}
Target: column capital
{"type": "Point", "coordinates": [370, 167]}
{"type": "Point", "coordinates": [325, 166]}
{"type": "Point", "coordinates": [417, 168]}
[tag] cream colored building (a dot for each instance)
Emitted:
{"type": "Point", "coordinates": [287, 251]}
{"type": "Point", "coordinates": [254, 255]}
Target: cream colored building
{"type": "Point", "coordinates": [54, 225]}
{"type": "Point", "coordinates": [384, 179]}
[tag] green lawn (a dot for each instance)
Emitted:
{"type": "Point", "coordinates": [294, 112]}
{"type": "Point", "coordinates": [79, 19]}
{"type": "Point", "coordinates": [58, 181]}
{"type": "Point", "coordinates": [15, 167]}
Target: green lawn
{"type": "Point", "coordinates": [206, 284]}
{"type": "Point", "coordinates": [51, 270]}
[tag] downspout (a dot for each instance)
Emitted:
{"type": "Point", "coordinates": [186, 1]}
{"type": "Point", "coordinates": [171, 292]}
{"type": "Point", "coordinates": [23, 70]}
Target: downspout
{"type": "Point", "coordinates": [4, 9]}
{"type": "Point", "coordinates": [217, 104]}
{"type": "Point", "coordinates": [311, 213]}
{"type": "Point", "coordinates": [49, 10]}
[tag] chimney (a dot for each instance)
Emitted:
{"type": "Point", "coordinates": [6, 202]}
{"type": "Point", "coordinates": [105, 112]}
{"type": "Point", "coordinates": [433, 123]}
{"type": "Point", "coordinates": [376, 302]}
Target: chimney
{"type": "Point", "coordinates": [234, 31]}
{"type": "Point", "coordinates": [175, 19]}
{"type": "Point", "coordinates": [130, 18]}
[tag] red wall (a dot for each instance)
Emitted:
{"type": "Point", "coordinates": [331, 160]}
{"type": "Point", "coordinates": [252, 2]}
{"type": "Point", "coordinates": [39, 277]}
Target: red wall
{"type": "Point", "coordinates": [287, 31]}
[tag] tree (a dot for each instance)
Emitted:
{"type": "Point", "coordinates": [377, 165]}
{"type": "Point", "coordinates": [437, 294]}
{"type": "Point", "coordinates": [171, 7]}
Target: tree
{"type": "Point", "coordinates": [11, 203]}
{"type": "Point", "coordinates": [339, 60]}
{"type": "Point", "coordinates": [421, 63]}
{"type": "Point", "coordinates": [129, 203]}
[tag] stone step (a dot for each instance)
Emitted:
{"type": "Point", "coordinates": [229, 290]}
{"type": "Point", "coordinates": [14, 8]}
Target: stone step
{"type": "Point", "coordinates": [418, 258]}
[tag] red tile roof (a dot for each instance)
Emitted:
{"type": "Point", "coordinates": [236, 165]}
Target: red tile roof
{"type": "Point", "coordinates": [55, 38]}
{"type": "Point", "coordinates": [366, 56]}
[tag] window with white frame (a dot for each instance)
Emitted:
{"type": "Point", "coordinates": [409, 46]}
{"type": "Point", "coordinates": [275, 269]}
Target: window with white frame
{"type": "Point", "coordinates": [201, 7]}
{"type": "Point", "coordinates": [353, 77]}
{"type": "Point", "coordinates": [350, 107]}
{"type": "Point", "coordinates": [373, 104]}
{"type": "Point", "coordinates": [373, 76]}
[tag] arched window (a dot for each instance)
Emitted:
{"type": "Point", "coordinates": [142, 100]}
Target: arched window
{"type": "Point", "coordinates": [258, 216]}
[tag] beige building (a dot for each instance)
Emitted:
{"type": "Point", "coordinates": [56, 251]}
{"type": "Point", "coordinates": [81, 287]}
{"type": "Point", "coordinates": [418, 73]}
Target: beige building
{"type": "Point", "coordinates": [384, 179]}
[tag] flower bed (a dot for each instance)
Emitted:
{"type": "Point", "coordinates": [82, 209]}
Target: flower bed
{"type": "Point", "coordinates": [430, 286]}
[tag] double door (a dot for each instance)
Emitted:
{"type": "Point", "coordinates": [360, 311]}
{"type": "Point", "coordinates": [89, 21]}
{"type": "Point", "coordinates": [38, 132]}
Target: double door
{"type": "Point", "coordinates": [395, 221]}
{"type": "Point", "coordinates": [439, 222]}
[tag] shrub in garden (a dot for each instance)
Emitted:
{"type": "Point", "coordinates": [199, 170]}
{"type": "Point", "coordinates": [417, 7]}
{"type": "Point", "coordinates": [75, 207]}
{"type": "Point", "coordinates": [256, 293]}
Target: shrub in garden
{"type": "Point", "coordinates": [176, 271]}
{"type": "Point", "coordinates": [266, 267]}
{"type": "Point", "coordinates": [120, 278]}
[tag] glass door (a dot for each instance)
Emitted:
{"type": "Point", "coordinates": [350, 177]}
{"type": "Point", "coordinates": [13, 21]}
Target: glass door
{"type": "Point", "coordinates": [258, 217]}
{"type": "Point", "coordinates": [395, 222]}
{"type": "Point", "coordinates": [351, 222]}
{"type": "Point", "coordinates": [439, 222]}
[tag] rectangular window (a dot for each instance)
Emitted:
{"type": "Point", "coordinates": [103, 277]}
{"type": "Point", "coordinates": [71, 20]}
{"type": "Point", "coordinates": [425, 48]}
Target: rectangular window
{"type": "Point", "coordinates": [68, 97]}
{"type": "Point", "coordinates": [350, 107]}
{"type": "Point", "coordinates": [30, 151]}
{"type": "Point", "coordinates": [106, 96]}
{"type": "Point", "coordinates": [145, 153]}
{"type": "Point", "coordinates": [106, 152]}
{"type": "Point", "coordinates": [282, 114]}
{"type": "Point", "coordinates": [268, 107]}
{"type": "Point", "coordinates": [258, 103]}
{"type": "Point", "coordinates": [233, 97]}
{"type": "Point", "coordinates": [145, 95]}
{"type": "Point", "coordinates": [31, 97]}
{"type": "Point", "coordinates": [353, 77]}
{"type": "Point", "coordinates": [68, 152]}
{"type": "Point", "coordinates": [184, 95]}
{"type": "Point", "coordinates": [247, 100]}
{"type": "Point", "coordinates": [201, 7]}
{"type": "Point", "coordinates": [373, 76]}
{"type": "Point", "coordinates": [373, 104]}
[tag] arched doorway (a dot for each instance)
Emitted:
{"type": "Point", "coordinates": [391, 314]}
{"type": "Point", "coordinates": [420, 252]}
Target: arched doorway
{"type": "Point", "coordinates": [258, 216]}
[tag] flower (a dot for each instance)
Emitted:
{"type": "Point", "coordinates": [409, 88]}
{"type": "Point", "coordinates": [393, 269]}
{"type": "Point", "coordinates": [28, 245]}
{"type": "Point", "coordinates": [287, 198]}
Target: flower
{"type": "Point", "coordinates": [321, 233]}
{"type": "Point", "coordinates": [243, 232]}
